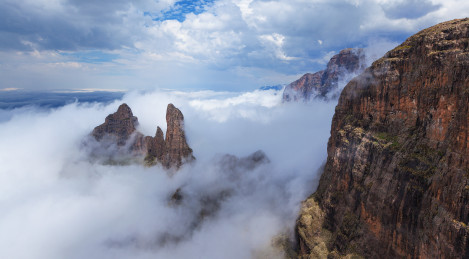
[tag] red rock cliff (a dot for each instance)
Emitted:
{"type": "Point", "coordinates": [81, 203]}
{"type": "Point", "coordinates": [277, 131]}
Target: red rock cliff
{"type": "Point", "coordinates": [396, 181]}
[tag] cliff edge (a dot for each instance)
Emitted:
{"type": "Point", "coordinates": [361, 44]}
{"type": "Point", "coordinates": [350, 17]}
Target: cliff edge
{"type": "Point", "coordinates": [396, 181]}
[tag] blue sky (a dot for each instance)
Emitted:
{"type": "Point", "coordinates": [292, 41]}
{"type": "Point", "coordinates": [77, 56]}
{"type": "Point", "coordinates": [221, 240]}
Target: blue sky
{"type": "Point", "coordinates": [180, 9]}
{"type": "Point", "coordinates": [202, 44]}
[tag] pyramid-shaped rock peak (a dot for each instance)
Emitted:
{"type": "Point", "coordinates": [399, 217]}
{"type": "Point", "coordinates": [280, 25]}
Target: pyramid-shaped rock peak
{"type": "Point", "coordinates": [171, 152]}
{"type": "Point", "coordinates": [120, 125]}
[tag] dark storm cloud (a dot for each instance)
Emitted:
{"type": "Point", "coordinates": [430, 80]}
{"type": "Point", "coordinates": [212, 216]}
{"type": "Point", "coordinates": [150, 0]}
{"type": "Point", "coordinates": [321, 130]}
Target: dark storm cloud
{"type": "Point", "coordinates": [71, 25]}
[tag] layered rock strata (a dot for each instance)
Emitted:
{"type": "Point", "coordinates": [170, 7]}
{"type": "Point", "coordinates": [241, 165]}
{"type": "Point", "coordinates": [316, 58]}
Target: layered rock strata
{"type": "Point", "coordinates": [396, 181]}
{"type": "Point", "coordinates": [323, 83]}
{"type": "Point", "coordinates": [121, 128]}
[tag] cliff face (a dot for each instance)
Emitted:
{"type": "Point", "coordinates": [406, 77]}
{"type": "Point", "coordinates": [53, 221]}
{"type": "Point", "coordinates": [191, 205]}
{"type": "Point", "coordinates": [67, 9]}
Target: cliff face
{"type": "Point", "coordinates": [396, 181]}
{"type": "Point", "coordinates": [120, 127]}
{"type": "Point", "coordinates": [319, 84]}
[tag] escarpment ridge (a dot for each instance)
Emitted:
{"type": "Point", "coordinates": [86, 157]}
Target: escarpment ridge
{"type": "Point", "coordinates": [396, 181]}
{"type": "Point", "coordinates": [323, 84]}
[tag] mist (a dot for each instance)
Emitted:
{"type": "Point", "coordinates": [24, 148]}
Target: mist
{"type": "Point", "coordinates": [256, 160]}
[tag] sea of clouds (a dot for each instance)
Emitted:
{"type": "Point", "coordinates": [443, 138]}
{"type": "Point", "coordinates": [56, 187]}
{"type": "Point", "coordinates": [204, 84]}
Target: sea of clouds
{"type": "Point", "coordinates": [57, 203]}
{"type": "Point", "coordinates": [256, 160]}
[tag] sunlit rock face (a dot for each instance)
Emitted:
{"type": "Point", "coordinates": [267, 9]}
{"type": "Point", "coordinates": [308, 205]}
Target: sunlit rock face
{"type": "Point", "coordinates": [176, 148]}
{"type": "Point", "coordinates": [396, 181]}
{"type": "Point", "coordinates": [118, 134]}
{"type": "Point", "coordinates": [323, 83]}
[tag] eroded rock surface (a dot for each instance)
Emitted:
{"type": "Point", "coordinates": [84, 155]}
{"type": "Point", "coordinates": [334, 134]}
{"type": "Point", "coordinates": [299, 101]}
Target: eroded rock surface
{"type": "Point", "coordinates": [155, 147]}
{"type": "Point", "coordinates": [119, 125]}
{"type": "Point", "coordinates": [120, 128]}
{"type": "Point", "coordinates": [322, 83]}
{"type": "Point", "coordinates": [176, 148]}
{"type": "Point", "coordinates": [396, 181]}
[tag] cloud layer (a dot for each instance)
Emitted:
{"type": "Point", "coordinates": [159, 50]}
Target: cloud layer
{"type": "Point", "coordinates": [148, 43]}
{"type": "Point", "coordinates": [55, 203]}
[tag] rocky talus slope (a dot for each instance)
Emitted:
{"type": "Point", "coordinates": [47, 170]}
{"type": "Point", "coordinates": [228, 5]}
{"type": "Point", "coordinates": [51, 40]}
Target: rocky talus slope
{"type": "Point", "coordinates": [320, 84]}
{"type": "Point", "coordinates": [396, 181]}
{"type": "Point", "coordinates": [121, 128]}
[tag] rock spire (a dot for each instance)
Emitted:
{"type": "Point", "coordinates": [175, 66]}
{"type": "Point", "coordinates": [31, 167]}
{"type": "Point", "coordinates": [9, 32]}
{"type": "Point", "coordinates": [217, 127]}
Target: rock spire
{"type": "Point", "coordinates": [170, 152]}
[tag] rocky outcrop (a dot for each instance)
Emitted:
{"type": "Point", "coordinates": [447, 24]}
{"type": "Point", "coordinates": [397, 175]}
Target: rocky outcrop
{"type": "Point", "coordinates": [396, 181]}
{"type": "Point", "coordinates": [322, 83]}
{"type": "Point", "coordinates": [119, 125]}
{"type": "Point", "coordinates": [176, 148]}
{"type": "Point", "coordinates": [120, 128]}
{"type": "Point", "coordinates": [155, 147]}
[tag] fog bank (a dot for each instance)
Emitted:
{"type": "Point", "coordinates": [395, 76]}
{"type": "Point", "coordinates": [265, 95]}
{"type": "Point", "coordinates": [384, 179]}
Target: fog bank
{"type": "Point", "coordinates": [55, 203]}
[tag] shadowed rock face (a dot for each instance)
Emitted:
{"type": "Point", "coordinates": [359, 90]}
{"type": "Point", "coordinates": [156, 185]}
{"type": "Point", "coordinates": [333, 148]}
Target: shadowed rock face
{"type": "Point", "coordinates": [155, 146]}
{"type": "Point", "coordinates": [171, 153]}
{"type": "Point", "coordinates": [319, 84]}
{"type": "Point", "coordinates": [396, 181]}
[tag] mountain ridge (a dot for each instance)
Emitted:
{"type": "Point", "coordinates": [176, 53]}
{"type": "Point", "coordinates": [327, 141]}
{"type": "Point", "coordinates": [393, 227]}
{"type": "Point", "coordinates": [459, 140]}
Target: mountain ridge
{"type": "Point", "coordinates": [322, 84]}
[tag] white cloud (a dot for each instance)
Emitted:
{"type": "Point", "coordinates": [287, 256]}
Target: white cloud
{"type": "Point", "coordinates": [274, 42]}
{"type": "Point", "coordinates": [273, 36]}
{"type": "Point", "coordinates": [57, 204]}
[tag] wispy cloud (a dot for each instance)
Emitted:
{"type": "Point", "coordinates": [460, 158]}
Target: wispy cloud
{"type": "Point", "coordinates": [9, 89]}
